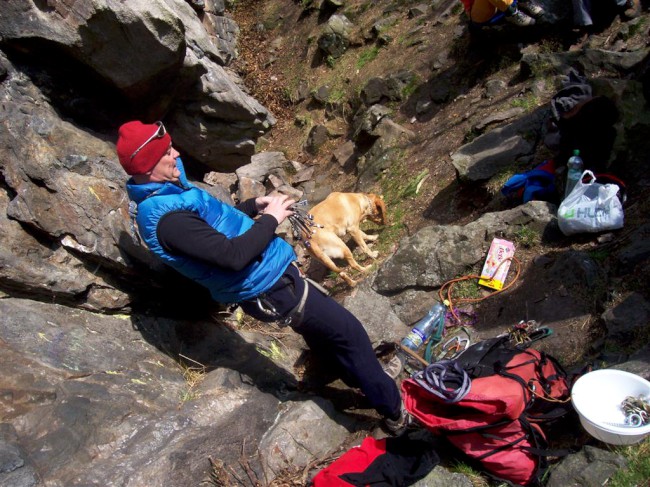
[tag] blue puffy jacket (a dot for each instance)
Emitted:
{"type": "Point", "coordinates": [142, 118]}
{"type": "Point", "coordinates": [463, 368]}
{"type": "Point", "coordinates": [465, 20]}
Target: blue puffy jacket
{"type": "Point", "coordinates": [226, 286]}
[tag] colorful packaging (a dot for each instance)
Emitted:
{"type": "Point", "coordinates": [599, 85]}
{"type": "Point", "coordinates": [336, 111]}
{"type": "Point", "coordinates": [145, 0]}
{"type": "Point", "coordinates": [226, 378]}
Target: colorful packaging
{"type": "Point", "coordinates": [494, 273]}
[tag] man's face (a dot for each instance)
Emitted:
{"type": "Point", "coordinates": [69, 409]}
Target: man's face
{"type": "Point", "coordinates": [166, 170]}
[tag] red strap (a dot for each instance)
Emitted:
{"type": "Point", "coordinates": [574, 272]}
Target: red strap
{"type": "Point", "coordinates": [355, 460]}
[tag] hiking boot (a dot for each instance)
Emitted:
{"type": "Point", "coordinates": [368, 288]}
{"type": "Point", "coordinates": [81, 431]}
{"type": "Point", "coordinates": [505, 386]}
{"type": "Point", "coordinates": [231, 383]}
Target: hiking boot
{"type": "Point", "coordinates": [520, 19]}
{"type": "Point", "coordinates": [631, 9]}
{"type": "Point", "coordinates": [394, 367]}
{"type": "Point", "coordinates": [397, 426]}
{"type": "Point", "coordinates": [532, 8]}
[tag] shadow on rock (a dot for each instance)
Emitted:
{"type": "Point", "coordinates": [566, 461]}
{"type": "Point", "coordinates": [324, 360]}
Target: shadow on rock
{"type": "Point", "coordinates": [211, 346]}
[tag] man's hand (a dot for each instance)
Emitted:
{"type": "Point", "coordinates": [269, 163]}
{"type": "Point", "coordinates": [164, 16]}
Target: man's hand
{"type": "Point", "coordinates": [276, 206]}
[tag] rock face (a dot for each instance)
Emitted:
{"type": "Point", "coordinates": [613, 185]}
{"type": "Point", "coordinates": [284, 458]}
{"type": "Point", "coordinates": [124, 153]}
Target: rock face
{"type": "Point", "coordinates": [437, 254]}
{"type": "Point", "coordinates": [98, 374]}
{"type": "Point", "coordinates": [491, 152]}
{"type": "Point", "coordinates": [65, 203]}
{"type": "Point", "coordinates": [84, 387]}
{"type": "Point", "coordinates": [80, 387]}
{"type": "Point", "coordinates": [77, 385]}
{"type": "Point", "coordinates": [335, 39]}
{"type": "Point", "coordinates": [143, 60]}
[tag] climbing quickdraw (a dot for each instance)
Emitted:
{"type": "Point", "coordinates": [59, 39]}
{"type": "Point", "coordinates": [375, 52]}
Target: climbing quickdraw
{"type": "Point", "coordinates": [302, 223]}
{"type": "Point", "coordinates": [526, 332]}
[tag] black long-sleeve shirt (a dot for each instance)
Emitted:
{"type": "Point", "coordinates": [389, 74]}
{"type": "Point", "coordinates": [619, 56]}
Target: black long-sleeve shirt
{"type": "Point", "coordinates": [185, 233]}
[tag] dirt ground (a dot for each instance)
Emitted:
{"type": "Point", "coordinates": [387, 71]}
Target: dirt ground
{"type": "Point", "coordinates": [278, 50]}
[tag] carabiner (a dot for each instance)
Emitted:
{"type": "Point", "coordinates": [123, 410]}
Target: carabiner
{"type": "Point", "coordinates": [270, 311]}
{"type": "Point", "coordinates": [456, 345]}
{"type": "Point", "coordinates": [634, 420]}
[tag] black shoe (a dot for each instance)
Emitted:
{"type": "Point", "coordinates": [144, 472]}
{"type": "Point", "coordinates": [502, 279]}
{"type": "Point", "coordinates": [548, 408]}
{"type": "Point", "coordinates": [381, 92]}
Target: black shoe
{"type": "Point", "coordinates": [397, 426]}
{"type": "Point", "coordinates": [532, 8]}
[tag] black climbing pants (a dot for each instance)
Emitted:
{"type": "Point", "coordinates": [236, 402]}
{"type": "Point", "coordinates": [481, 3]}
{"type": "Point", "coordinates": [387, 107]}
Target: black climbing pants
{"type": "Point", "coordinates": [330, 330]}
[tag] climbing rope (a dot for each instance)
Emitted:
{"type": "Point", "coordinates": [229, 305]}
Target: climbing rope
{"type": "Point", "coordinates": [445, 379]}
{"type": "Point", "coordinates": [445, 291]}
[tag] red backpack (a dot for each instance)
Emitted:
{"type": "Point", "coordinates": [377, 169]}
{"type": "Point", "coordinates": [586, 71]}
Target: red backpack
{"type": "Point", "coordinates": [498, 423]}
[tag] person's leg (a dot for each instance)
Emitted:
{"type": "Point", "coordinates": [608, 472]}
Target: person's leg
{"type": "Point", "coordinates": [334, 334]}
{"type": "Point", "coordinates": [330, 329]}
{"type": "Point", "coordinates": [582, 13]}
{"type": "Point", "coordinates": [484, 10]}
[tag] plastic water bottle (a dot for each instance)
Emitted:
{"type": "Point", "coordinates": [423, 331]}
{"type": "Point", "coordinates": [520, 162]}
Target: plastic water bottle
{"type": "Point", "coordinates": [574, 173]}
{"type": "Point", "coordinates": [425, 327]}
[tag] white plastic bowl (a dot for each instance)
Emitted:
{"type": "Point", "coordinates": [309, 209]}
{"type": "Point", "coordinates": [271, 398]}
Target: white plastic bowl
{"type": "Point", "coordinates": [597, 396]}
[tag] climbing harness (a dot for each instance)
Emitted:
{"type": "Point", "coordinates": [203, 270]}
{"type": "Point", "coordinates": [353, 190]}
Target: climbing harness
{"type": "Point", "coordinates": [445, 379]}
{"type": "Point", "coordinates": [295, 315]}
{"type": "Point", "coordinates": [302, 223]}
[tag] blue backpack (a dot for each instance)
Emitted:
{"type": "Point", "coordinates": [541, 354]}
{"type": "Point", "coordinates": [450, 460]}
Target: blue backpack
{"type": "Point", "coordinates": [536, 184]}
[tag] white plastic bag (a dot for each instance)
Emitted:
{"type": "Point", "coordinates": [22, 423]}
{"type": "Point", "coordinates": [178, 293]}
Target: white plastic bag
{"type": "Point", "coordinates": [590, 207]}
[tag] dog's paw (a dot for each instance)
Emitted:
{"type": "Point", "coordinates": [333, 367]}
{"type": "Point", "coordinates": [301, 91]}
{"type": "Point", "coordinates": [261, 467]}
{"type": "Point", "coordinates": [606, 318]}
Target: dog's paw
{"type": "Point", "coordinates": [373, 254]}
{"type": "Point", "coordinates": [371, 238]}
{"type": "Point", "coordinates": [351, 282]}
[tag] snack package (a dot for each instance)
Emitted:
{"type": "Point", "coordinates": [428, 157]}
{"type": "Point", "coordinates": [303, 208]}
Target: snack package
{"type": "Point", "coordinates": [494, 273]}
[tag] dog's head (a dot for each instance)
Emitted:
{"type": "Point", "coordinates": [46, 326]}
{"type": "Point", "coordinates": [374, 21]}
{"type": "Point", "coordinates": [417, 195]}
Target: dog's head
{"type": "Point", "coordinates": [377, 210]}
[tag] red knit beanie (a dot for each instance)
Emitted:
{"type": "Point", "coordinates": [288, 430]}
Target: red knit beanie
{"type": "Point", "coordinates": [131, 136]}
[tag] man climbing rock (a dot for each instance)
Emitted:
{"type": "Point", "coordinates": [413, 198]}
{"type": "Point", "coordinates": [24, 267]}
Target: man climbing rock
{"type": "Point", "coordinates": [241, 260]}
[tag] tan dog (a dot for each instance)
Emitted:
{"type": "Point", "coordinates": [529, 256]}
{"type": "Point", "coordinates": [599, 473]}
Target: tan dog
{"type": "Point", "coordinates": [341, 214]}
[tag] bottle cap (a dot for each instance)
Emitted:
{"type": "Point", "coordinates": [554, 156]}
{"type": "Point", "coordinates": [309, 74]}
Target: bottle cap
{"type": "Point", "coordinates": [576, 152]}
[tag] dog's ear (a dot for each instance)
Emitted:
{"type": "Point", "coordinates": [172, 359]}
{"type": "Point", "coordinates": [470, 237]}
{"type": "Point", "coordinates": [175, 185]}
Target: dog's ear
{"type": "Point", "coordinates": [379, 208]}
